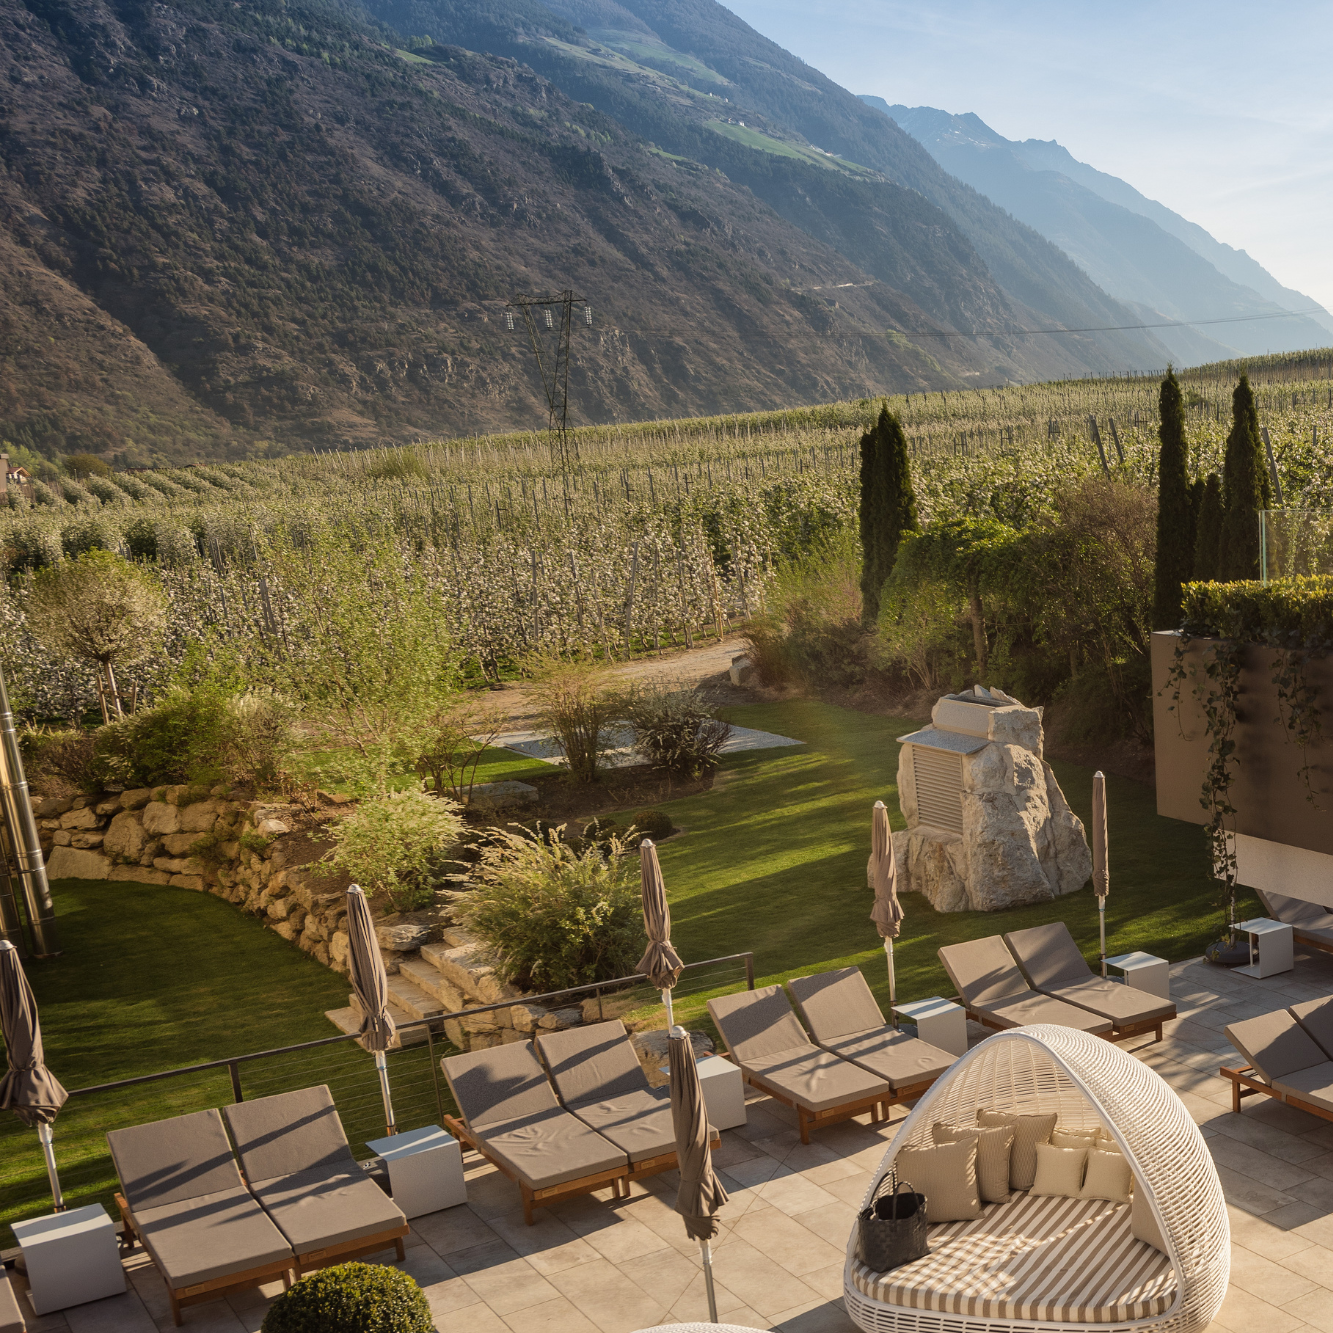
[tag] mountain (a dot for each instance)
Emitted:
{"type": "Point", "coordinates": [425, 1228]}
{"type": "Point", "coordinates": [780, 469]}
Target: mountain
{"type": "Point", "coordinates": [1137, 250]}
{"type": "Point", "coordinates": [230, 221]}
{"type": "Point", "coordinates": [695, 80]}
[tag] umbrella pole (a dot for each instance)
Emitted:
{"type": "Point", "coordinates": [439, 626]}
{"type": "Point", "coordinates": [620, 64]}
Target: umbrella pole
{"type": "Point", "coordinates": [706, 1250]}
{"type": "Point", "coordinates": [666, 1000]}
{"type": "Point", "coordinates": [44, 1138]}
{"type": "Point", "coordinates": [893, 981]}
{"type": "Point", "coordinates": [381, 1065]}
{"type": "Point", "coordinates": [1101, 922]}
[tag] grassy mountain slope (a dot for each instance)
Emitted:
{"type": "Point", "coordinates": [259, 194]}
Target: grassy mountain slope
{"type": "Point", "coordinates": [1124, 250]}
{"type": "Point", "coordinates": [693, 78]}
{"type": "Point", "coordinates": [267, 220]}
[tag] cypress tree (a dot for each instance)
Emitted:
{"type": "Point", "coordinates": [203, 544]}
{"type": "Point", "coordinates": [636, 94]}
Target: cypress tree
{"type": "Point", "coordinates": [1197, 487]}
{"type": "Point", "coordinates": [1246, 489]}
{"type": "Point", "coordinates": [888, 507]}
{"type": "Point", "coordinates": [1175, 550]}
{"type": "Point", "coordinates": [1208, 528]}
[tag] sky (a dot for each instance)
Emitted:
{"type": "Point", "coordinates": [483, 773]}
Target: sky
{"type": "Point", "coordinates": [1222, 112]}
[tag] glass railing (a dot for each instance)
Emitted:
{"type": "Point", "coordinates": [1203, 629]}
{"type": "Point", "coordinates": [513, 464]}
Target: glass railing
{"type": "Point", "coordinates": [1295, 542]}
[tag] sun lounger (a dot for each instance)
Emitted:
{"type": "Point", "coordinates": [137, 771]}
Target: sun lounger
{"type": "Point", "coordinates": [11, 1317]}
{"type": "Point", "coordinates": [597, 1075]}
{"type": "Point", "coordinates": [1312, 923]}
{"type": "Point", "coordinates": [1283, 1061]}
{"type": "Point", "coordinates": [183, 1198]}
{"type": "Point", "coordinates": [996, 994]}
{"type": "Point", "coordinates": [843, 1017]}
{"type": "Point", "coordinates": [511, 1117]}
{"type": "Point", "coordinates": [1053, 965]}
{"type": "Point", "coordinates": [299, 1166]}
{"type": "Point", "coordinates": [1316, 1017]}
{"type": "Point", "coordinates": [765, 1039]}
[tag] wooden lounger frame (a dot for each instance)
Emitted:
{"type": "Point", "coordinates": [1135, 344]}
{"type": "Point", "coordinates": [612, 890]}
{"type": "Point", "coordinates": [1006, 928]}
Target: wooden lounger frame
{"type": "Point", "coordinates": [1244, 1084]}
{"type": "Point", "coordinates": [199, 1292]}
{"type": "Point", "coordinates": [352, 1249]}
{"type": "Point", "coordinates": [1115, 1034]}
{"type": "Point", "coordinates": [538, 1198]}
{"type": "Point", "coordinates": [1310, 941]}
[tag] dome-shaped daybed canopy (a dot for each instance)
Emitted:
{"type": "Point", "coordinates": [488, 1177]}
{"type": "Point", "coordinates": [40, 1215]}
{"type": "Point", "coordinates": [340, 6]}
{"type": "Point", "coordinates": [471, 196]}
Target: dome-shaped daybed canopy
{"type": "Point", "coordinates": [1075, 1266]}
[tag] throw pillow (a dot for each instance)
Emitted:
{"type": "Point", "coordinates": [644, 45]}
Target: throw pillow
{"type": "Point", "coordinates": [1074, 1138]}
{"type": "Point", "coordinates": [947, 1176]}
{"type": "Point", "coordinates": [993, 1147]}
{"type": "Point", "coordinates": [1059, 1171]}
{"type": "Point", "coordinates": [1029, 1130]}
{"type": "Point", "coordinates": [1107, 1177]}
{"type": "Point", "coordinates": [1142, 1223]}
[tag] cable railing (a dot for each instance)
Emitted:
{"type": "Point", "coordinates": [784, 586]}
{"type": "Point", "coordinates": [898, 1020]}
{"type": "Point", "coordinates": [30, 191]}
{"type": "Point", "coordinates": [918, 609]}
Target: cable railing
{"type": "Point", "coordinates": [420, 1093]}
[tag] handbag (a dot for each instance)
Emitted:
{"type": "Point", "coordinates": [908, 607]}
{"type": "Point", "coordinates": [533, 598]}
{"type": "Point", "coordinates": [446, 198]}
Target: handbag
{"type": "Point", "coordinates": [893, 1228]}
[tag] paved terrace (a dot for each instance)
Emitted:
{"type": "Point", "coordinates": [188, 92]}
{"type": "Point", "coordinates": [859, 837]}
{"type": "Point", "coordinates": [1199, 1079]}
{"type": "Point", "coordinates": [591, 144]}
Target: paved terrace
{"type": "Point", "coordinates": [591, 1266]}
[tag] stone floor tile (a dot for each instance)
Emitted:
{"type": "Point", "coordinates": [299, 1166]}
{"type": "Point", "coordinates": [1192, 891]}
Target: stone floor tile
{"type": "Point", "coordinates": [1321, 1165]}
{"type": "Point", "coordinates": [792, 1193]}
{"type": "Point", "coordinates": [549, 1245]}
{"type": "Point", "coordinates": [501, 1278]}
{"type": "Point", "coordinates": [753, 1172]}
{"type": "Point", "coordinates": [608, 1298]}
{"type": "Point", "coordinates": [490, 1194]}
{"type": "Point", "coordinates": [667, 1275]}
{"type": "Point", "coordinates": [1314, 1262]}
{"type": "Point", "coordinates": [1298, 1216]}
{"type": "Point", "coordinates": [1271, 1282]}
{"type": "Point", "coordinates": [1250, 1194]}
{"type": "Point", "coordinates": [129, 1314]}
{"type": "Point", "coordinates": [826, 1281]}
{"type": "Point", "coordinates": [614, 1233]}
{"type": "Point", "coordinates": [832, 1223]}
{"type": "Point", "coordinates": [555, 1316]}
{"type": "Point", "coordinates": [1256, 1163]}
{"type": "Point", "coordinates": [732, 1149]}
{"type": "Point", "coordinates": [691, 1305]}
{"type": "Point", "coordinates": [1258, 1132]}
{"type": "Point", "coordinates": [453, 1229]}
{"type": "Point", "coordinates": [478, 1318]}
{"type": "Point", "coordinates": [795, 1155]}
{"type": "Point", "coordinates": [1243, 1313]}
{"type": "Point", "coordinates": [1315, 1307]}
{"type": "Point", "coordinates": [761, 1283]}
{"type": "Point", "coordinates": [784, 1240]}
{"type": "Point", "coordinates": [850, 1190]}
{"type": "Point", "coordinates": [1321, 1132]}
{"type": "Point", "coordinates": [1262, 1237]}
{"type": "Point", "coordinates": [818, 1317]}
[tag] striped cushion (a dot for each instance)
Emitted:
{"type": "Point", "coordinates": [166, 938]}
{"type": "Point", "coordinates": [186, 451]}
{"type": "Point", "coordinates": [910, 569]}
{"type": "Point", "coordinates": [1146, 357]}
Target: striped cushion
{"type": "Point", "coordinates": [1071, 1260]}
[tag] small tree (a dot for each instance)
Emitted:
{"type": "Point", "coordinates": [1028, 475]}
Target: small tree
{"type": "Point", "coordinates": [1175, 549]}
{"type": "Point", "coordinates": [1246, 489]}
{"type": "Point", "coordinates": [460, 734]}
{"type": "Point", "coordinates": [100, 609]}
{"type": "Point", "coordinates": [573, 708]}
{"type": "Point", "coordinates": [1208, 530]}
{"type": "Point", "coordinates": [86, 465]}
{"type": "Point", "coordinates": [888, 508]}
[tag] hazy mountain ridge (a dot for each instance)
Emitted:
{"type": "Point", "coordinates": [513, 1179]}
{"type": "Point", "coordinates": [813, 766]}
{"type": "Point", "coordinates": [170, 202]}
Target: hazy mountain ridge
{"type": "Point", "coordinates": [1133, 247]}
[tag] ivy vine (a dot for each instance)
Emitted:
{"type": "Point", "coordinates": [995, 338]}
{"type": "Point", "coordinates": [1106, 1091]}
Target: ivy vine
{"type": "Point", "coordinates": [1298, 707]}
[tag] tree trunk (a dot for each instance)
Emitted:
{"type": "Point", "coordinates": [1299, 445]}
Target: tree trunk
{"type": "Point", "coordinates": [978, 627]}
{"type": "Point", "coordinates": [113, 690]}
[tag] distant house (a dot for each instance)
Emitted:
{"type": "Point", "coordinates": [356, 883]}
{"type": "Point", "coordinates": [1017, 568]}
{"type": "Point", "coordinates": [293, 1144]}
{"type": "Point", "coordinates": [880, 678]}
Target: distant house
{"type": "Point", "coordinates": [16, 478]}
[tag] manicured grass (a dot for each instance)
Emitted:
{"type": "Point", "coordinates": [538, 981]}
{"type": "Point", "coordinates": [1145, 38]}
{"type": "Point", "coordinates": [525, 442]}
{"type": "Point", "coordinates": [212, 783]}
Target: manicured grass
{"type": "Point", "coordinates": [497, 765]}
{"type": "Point", "coordinates": [774, 860]}
{"type": "Point", "coordinates": [154, 978]}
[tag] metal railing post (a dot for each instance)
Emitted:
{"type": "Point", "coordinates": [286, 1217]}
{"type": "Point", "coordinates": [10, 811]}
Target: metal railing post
{"type": "Point", "coordinates": [749, 971]}
{"type": "Point", "coordinates": [434, 1069]}
{"type": "Point", "coordinates": [234, 1068]}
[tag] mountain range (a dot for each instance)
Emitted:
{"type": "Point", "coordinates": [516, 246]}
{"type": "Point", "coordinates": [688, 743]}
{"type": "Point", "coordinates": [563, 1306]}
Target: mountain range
{"type": "Point", "coordinates": [231, 226]}
{"type": "Point", "coordinates": [1135, 248]}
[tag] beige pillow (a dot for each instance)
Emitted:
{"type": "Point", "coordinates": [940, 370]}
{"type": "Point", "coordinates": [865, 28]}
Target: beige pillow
{"type": "Point", "coordinates": [1107, 1177]}
{"type": "Point", "coordinates": [1029, 1130]}
{"type": "Point", "coordinates": [1059, 1171]}
{"type": "Point", "coordinates": [1142, 1223]}
{"type": "Point", "coordinates": [946, 1175]}
{"type": "Point", "coordinates": [993, 1147]}
{"type": "Point", "coordinates": [1074, 1138]}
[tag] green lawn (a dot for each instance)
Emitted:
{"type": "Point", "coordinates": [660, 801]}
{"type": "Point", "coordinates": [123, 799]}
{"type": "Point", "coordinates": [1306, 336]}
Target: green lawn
{"type": "Point", "coordinates": [772, 860]}
{"type": "Point", "coordinates": [497, 765]}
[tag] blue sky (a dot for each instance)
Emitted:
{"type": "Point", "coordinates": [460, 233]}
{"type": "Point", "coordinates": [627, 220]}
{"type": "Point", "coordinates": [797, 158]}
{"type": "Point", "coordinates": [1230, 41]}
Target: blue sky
{"type": "Point", "coordinates": [1223, 112]}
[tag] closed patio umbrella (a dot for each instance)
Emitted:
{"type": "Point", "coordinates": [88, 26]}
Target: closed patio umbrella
{"type": "Point", "coordinates": [660, 962]}
{"type": "Point", "coordinates": [887, 913]}
{"type": "Point", "coordinates": [366, 969]}
{"type": "Point", "coordinates": [1101, 875]}
{"type": "Point", "coordinates": [29, 1089]}
{"type": "Point", "coordinates": [701, 1193]}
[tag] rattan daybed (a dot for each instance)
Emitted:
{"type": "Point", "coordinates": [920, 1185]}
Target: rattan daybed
{"type": "Point", "coordinates": [1061, 1265]}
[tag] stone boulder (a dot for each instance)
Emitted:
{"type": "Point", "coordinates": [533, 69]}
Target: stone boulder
{"type": "Point", "coordinates": [125, 837]}
{"type": "Point", "coordinates": [77, 863]}
{"type": "Point", "coordinates": [160, 818]}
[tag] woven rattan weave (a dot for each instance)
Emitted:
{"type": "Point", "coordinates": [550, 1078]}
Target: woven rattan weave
{"type": "Point", "coordinates": [1087, 1082]}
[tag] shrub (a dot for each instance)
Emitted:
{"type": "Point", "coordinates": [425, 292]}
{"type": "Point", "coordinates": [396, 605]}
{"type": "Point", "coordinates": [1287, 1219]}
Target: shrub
{"type": "Point", "coordinates": [676, 727]}
{"type": "Point", "coordinates": [462, 731]}
{"type": "Point", "coordinates": [573, 708]}
{"type": "Point", "coordinates": [59, 762]}
{"type": "Point", "coordinates": [351, 1298]}
{"type": "Point", "coordinates": [181, 739]}
{"type": "Point", "coordinates": [393, 844]}
{"type": "Point", "coordinates": [556, 915]}
{"type": "Point", "coordinates": [653, 824]}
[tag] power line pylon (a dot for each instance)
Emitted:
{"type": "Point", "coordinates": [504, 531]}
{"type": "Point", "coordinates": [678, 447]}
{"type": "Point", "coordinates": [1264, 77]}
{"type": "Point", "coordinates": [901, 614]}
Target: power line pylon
{"type": "Point", "coordinates": [550, 324]}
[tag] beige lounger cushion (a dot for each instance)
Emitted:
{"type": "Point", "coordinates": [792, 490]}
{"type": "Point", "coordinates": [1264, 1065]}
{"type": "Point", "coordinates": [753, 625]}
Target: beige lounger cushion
{"type": "Point", "coordinates": [1065, 1260]}
{"type": "Point", "coordinates": [1275, 1045]}
{"type": "Point", "coordinates": [1316, 1017]}
{"type": "Point", "coordinates": [11, 1317]}
{"type": "Point", "coordinates": [550, 1148]}
{"type": "Point", "coordinates": [638, 1123]}
{"type": "Point", "coordinates": [1304, 916]}
{"type": "Point", "coordinates": [1143, 1224]}
{"type": "Point", "coordinates": [1123, 1005]}
{"type": "Point", "coordinates": [1309, 1085]}
{"type": "Point", "coordinates": [213, 1236]}
{"type": "Point", "coordinates": [500, 1084]}
{"type": "Point", "coordinates": [757, 1024]}
{"type": "Point", "coordinates": [1048, 956]}
{"type": "Point", "coordinates": [289, 1132]}
{"type": "Point", "coordinates": [901, 1061]}
{"type": "Point", "coordinates": [1024, 1010]}
{"type": "Point", "coordinates": [592, 1062]}
{"type": "Point", "coordinates": [1029, 1130]}
{"type": "Point", "coordinates": [1107, 1176]}
{"type": "Point", "coordinates": [836, 1004]}
{"type": "Point", "coordinates": [947, 1175]}
{"type": "Point", "coordinates": [166, 1161]}
{"type": "Point", "coordinates": [319, 1209]}
{"type": "Point", "coordinates": [993, 1147]}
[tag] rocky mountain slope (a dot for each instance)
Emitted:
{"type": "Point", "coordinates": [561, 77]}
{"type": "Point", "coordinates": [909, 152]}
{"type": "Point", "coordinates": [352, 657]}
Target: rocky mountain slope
{"type": "Point", "coordinates": [1134, 248]}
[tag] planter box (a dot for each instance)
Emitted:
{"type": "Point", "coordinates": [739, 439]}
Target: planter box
{"type": "Point", "coordinates": [1269, 794]}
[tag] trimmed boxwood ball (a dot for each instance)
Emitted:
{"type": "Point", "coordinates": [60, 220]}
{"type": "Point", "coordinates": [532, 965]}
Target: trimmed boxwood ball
{"type": "Point", "coordinates": [351, 1298]}
{"type": "Point", "coordinates": [654, 824]}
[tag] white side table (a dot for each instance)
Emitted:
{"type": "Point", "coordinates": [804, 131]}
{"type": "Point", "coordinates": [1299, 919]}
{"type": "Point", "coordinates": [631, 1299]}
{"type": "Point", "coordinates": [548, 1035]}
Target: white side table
{"type": "Point", "coordinates": [425, 1169]}
{"type": "Point", "coordinates": [724, 1091]}
{"type": "Point", "coordinates": [1144, 971]}
{"type": "Point", "coordinates": [938, 1021]}
{"type": "Point", "coordinates": [1270, 947]}
{"type": "Point", "coordinates": [72, 1257]}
